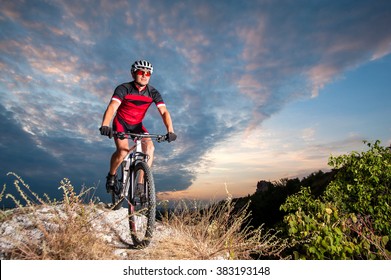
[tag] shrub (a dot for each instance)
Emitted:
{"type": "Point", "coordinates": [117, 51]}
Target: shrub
{"type": "Point", "coordinates": [351, 219]}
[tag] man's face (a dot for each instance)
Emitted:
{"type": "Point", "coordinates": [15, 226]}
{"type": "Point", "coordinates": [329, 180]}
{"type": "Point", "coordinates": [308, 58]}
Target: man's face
{"type": "Point", "coordinates": [142, 76]}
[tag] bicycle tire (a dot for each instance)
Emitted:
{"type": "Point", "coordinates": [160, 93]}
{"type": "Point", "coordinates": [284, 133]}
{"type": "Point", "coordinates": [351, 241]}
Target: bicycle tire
{"type": "Point", "coordinates": [142, 215]}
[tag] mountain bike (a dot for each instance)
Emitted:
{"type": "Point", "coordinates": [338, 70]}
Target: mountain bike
{"type": "Point", "coordinates": [136, 186]}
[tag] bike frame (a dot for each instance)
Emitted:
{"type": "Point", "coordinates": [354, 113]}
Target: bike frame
{"type": "Point", "coordinates": [134, 156]}
{"type": "Point", "coordinates": [141, 203]}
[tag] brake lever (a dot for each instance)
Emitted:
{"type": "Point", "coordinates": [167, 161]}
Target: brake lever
{"type": "Point", "coordinates": [161, 138]}
{"type": "Point", "coordinates": [120, 135]}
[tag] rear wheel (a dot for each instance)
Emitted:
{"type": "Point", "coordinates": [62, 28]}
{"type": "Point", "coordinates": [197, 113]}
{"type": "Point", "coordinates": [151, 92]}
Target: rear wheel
{"type": "Point", "coordinates": [142, 207]}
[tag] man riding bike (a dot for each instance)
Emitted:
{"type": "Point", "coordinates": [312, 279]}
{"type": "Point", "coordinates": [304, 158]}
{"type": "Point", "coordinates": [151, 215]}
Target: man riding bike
{"type": "Point", "coordinates": [126, 112]}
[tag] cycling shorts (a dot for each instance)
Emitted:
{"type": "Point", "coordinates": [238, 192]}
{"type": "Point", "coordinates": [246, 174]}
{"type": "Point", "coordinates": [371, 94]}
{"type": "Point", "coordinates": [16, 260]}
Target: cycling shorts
{"type": "Point", "coordinates": [120, 125]}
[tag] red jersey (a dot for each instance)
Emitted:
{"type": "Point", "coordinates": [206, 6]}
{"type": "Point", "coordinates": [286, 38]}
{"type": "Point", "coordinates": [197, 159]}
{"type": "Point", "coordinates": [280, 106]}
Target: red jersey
{"type": "Point", "coordinates": [135, 104]}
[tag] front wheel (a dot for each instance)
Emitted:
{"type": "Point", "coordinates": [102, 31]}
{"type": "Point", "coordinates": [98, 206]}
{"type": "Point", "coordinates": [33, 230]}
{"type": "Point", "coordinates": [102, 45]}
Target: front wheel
{"type": "Point", "coordinates": [142, 206]}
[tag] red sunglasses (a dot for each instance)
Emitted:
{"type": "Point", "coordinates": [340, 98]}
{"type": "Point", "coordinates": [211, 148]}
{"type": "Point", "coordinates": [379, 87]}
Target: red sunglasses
{"type": "Point", "coordinates": [141, 72]}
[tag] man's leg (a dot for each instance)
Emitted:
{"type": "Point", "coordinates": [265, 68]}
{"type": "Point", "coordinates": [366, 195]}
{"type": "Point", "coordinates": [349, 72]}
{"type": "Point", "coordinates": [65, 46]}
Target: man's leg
{"type": "Point", "coordinates": [116, 160]}
{"type": "Point", "coordinates": [149, 149]}
{"type": "Point", "coordinates": [119, 154]}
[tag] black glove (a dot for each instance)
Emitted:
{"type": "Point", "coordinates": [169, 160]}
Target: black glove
{"type": "Point", "coordinates": [171, 136]}
{"type": "Point", "coordinates": [106, 130]}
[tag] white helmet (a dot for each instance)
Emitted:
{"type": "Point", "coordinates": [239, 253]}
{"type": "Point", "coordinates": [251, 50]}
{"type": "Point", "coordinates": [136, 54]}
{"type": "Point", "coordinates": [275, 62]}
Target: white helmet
{"type": "Point", "coordinates": [141, 64]}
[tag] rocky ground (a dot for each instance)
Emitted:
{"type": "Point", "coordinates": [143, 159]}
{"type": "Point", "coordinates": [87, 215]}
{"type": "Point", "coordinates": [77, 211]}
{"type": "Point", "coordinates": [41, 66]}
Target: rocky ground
{"type": "Point", "coordinates": [110, 225]}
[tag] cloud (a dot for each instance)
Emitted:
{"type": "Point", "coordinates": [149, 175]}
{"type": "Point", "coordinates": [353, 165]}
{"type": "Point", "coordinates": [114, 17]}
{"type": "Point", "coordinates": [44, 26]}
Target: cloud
{"type": "Point", "coordinates": [223, 68]}
{"type": "Point", "coordinates": [308, 134]}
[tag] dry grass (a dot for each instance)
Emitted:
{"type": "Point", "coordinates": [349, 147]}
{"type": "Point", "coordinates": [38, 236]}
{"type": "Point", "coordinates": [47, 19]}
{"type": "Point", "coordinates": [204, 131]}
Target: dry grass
{"type": "Point", "coordinates": [64, 227]}
{"type": "Point", "coordinates": [218, 231]}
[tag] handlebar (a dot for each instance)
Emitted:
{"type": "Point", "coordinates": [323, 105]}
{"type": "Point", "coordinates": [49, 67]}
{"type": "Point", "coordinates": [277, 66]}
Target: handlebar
{"type": "Point", "coordinates": [127, 135]}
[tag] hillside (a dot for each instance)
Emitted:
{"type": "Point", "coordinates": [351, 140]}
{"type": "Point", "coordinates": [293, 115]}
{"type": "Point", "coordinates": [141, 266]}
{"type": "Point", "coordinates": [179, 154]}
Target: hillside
{"type": "Point", "coordinates": [74, 230]}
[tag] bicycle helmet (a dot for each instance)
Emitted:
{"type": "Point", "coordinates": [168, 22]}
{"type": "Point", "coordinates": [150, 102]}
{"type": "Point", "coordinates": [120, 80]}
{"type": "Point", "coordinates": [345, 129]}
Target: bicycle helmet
{"type": "Point", "coordinates": [141, 64]}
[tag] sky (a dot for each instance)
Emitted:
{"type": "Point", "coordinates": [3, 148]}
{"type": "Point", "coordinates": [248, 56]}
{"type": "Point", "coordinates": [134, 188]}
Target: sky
{"type": "Point", "coordinates": [257, 90]}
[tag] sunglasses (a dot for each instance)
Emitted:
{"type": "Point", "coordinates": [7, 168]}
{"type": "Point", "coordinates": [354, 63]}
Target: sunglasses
{"type": "Point", "coordinates": [141, 72]}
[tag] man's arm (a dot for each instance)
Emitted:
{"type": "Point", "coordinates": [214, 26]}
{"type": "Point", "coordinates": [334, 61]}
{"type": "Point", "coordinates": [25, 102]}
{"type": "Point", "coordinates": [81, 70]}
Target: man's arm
{"type": "Point", "coordinates": [166, 118]}
{"type": "Point", "coordinates": [110, 112]}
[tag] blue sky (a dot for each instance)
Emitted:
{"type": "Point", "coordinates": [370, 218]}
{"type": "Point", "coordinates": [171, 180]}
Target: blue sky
{"type": "Point", "coordinates": [256, 89]}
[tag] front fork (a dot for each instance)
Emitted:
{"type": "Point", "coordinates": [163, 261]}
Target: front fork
{"type": "Point", "coordinates": [127, 165]}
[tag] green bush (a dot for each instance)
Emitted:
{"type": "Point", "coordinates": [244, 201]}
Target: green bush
{"type": "Point", "coordinates": [351, 220]}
